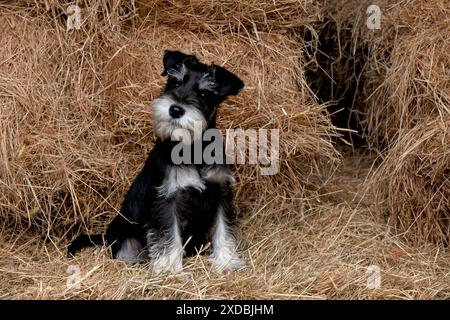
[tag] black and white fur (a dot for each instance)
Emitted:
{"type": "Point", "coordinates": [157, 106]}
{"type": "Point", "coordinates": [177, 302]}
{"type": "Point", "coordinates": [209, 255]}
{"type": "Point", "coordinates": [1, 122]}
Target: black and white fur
{"type": "Point", "coordinates": [172, 210]}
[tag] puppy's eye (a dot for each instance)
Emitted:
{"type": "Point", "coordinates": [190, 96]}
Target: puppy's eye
{"type": "Point", "coordinates": [203, 93]}
{"type": "Point", "coordinates": [176, 84]}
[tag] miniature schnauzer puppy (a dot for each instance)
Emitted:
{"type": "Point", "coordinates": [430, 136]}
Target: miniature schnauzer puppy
{"type": "Point", "coordinates": [172, 210]}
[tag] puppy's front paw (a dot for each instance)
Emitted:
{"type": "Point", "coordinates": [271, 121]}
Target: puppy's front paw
{"type": "Point", "coordinates": [167, 263]}
{"type": "Point", "coordinates": [228, 263]}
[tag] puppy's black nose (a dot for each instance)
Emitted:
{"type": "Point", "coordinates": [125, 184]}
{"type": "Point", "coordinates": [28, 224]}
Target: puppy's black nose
{"type": "Point", "coordinates": [176, 111]}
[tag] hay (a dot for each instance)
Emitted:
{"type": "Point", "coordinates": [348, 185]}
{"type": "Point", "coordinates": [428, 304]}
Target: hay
{"type": "Point", "coordinates": [276, 97]}
{"type": "Point", "coordinates": [75, 129]}
{"type": "Point", "coordinates": [319, 253]}
{"type": "Point", "coordinates": [403, 87]}
{"type": "Point", "coordinates": [407, 74]}
{"type": "Point", "coordinates": [408, 110]}
{"type": "Point", "coordinates": [403, 76]}
{"type": "Point", "coordinates": [413, 183]}
{"type": "Point", "coordinates": [66, 152]}
{"type": "Point", "coordinates": [235, 16]}
{"type": "Point", "coordinates": [76, 122]}
{"type": "Point", "coordinates": [238, 16]}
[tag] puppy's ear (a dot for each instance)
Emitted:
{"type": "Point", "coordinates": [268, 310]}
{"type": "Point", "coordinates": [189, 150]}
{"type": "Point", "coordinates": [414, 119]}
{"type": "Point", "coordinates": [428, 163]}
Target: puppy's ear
{"type": "Point", "coordinates": [174, 60]}
{"type": "Point", "coordinates": [227, 83]}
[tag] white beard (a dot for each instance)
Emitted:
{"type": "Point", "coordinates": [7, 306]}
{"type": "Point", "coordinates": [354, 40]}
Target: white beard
{"type": "Point", "coordinates": [166, 127]}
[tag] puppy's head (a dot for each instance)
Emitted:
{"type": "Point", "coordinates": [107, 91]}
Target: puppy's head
{"type": "Point", "coordinates": [192, 93]}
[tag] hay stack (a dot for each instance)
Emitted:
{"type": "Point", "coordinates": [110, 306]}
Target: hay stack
{"type": "Point", "coordinates": [408, 70]}
{"type": "Point", "coordinates": [231, 15]}
{"type": "Point", "coordinates": [409, 110]}
{"type": "Point", "coordinates": [76, 126]}
{"type": "Point", "coordinates": [413, 182]}
{"type": "Point", "coordinates": [403, 75]}
{"type": "Point", "coordinates": [66, 146]}
{"type": "Point", "coordinates": [405, 107]}
{"type": "Point", "coordinates": [270, 68]}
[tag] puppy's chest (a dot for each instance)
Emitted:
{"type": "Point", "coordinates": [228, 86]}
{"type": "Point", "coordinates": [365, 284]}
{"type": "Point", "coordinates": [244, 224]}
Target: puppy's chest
{"type": "Point", "coordinates": [182, 178]}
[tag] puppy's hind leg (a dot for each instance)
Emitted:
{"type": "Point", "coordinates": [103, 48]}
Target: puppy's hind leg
{"type": "Point", "coordinates": [130, 250]}
{"type": "Point", "coordinates": [125, 240]}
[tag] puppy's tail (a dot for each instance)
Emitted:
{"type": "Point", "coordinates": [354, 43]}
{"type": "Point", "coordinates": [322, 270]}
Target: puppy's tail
{"type": "Point", "coordinates": [84, 241]}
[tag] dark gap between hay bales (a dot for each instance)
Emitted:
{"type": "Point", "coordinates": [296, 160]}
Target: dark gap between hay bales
{"type": "Point", "coordinates": [335, 74]}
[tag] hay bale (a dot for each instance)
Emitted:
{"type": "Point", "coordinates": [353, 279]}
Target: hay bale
{"type": "Point", "coordinates": [408, 110]}
{"type": "Point", "coordinates": [231, 15]}
{"type": "Point", "coordinates": [404, 78]}
{"type": "Point", "coordinates": [413, 182]}
{"type": "Point", "coordinates": [66, 152]}
{"type": "Point", "coordinates": [76, 125]}
{"type": "Point", "coordinates": [408, 73]}
{"type": "Point", "coordinates": [403, 104]}
{"type": "Point", "coordinates": [275, 97]}
{"type": "Point", "coordinates": [237, 16]}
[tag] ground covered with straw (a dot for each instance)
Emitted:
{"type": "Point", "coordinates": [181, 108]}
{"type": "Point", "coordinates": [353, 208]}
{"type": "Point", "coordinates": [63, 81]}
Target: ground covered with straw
{"type": "Point", "coordinates": [318, 253]}
{"type": "Point", "coordinates": [75, 128]}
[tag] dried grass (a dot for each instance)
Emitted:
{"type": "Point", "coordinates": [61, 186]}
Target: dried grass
{"type": "Point", "coordinates": [413, 182]}
{"type": "Point", "coordinates": [409, 111]}
{"type": "Point", "coordinates": [404, 78]}
{"type": "Point", "coordinates": [246, 16]}
{"type": "Point", "coordinates": [408, 71]}
{"type": "Point", "coordinates": [404, 105]}
{"type": "Point", "coordinates": [75, 129]}
{"type": "Point", "coordinates": [317, 253]}
{"type": "Point", "coordinates": [76, 126]}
